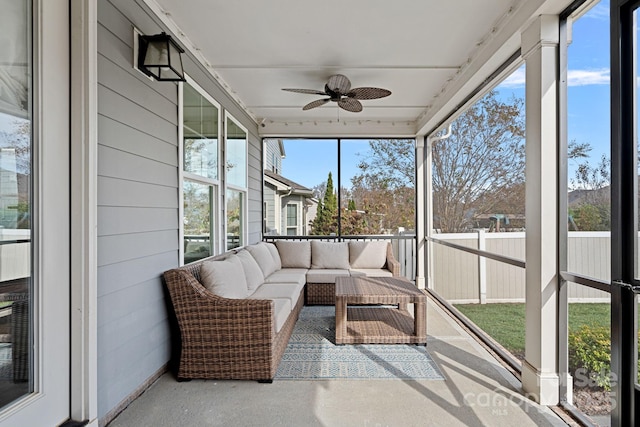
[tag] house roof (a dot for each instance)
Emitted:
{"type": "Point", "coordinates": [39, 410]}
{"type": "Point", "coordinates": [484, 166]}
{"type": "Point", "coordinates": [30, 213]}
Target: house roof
{"type": "Point", "coordinates": [284, 184]}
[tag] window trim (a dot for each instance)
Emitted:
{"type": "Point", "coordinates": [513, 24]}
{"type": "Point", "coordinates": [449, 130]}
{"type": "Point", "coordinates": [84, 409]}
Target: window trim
{"type": "Point", "coordinates": [215, 226]}
{"type": "Point", "coordinates": [227, 186]}
{"type": "Point", "coordinates": [297, 218]}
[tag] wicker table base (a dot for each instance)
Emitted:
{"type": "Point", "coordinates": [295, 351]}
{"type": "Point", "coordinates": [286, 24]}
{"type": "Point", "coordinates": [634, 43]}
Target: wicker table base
{"type": "Point", "coordinates": [379, 325]}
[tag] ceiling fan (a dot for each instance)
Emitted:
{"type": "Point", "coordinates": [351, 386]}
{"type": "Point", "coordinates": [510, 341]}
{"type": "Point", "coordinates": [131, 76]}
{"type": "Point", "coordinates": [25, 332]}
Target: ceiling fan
{"type": "Point", "coordinates": [338, 89]}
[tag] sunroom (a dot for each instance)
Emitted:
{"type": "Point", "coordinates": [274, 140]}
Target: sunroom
{"type": "Point", "coordinates": [111, 176]}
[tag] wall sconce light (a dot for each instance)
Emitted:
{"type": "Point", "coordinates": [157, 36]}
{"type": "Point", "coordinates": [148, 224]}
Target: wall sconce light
{"type": "Point", "coordinates": [159, 57]}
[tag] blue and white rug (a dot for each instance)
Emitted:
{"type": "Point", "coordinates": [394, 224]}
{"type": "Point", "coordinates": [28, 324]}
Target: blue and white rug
{"type": "Point", "coordinates": [312, 355]}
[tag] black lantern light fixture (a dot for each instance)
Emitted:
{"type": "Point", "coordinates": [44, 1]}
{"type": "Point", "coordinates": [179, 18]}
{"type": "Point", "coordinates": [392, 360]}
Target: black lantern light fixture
{"type": "Point", "coordinates": [159, 57]}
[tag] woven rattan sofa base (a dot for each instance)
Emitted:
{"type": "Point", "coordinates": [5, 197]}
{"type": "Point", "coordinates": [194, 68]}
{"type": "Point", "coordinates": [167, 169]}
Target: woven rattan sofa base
{"type": "Point", "coordinates": [325, 293]}
{"type": "Point", "coordinates": [225, 338]}
{"type": "Point", "coordinates": [320, 293]}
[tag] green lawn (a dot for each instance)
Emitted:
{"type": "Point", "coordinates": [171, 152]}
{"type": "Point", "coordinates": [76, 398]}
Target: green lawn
{"type": "Point", "coordinates": [505, 322]}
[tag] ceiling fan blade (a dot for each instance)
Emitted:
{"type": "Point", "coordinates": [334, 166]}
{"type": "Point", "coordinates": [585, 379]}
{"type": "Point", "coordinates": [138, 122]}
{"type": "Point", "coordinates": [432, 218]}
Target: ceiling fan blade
{"type": "Point", "coordinates": [339, 83]}
{"type": "Point", "coordinates": [309, 91]}
{"type": "Point", "coordinates": [368, 93]}
{"type": "Point", "coordinates": [316, 103]}
{"type": "Point", "coordinates": [350, 104]}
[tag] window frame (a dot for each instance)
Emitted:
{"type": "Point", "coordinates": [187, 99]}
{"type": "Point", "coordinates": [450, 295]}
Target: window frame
{"type": "Point", "coordinates": [215, 184]}
{"type": "Point", "coordinates": [296, 217]}
{"type": "Point", "coordinates": [227, 186]}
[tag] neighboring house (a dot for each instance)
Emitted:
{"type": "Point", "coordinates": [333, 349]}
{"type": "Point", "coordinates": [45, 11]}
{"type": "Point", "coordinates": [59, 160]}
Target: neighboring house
{"type": "Point", "coordinates": [288, 206]}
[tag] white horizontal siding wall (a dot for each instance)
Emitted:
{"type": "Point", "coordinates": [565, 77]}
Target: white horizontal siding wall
{"type": "Point", "coordinates": [138, 202]}
{"type": "Point", "coordinates": [137, 213]}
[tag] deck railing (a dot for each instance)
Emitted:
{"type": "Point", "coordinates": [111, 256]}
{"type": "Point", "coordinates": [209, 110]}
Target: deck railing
{"type": "Point", "coordinates": [463, 276]}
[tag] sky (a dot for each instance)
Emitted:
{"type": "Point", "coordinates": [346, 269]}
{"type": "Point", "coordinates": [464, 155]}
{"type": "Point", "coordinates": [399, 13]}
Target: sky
{"type": "Point", "coordinates": [588, 108]}
{"type": "Point", "coordinates": [588, 83]}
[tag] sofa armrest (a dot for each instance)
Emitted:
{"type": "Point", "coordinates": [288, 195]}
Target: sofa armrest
{"type": "Point", "coordinates": [392, 264]}
{"type": "Point", "coordinates": [204, 317]}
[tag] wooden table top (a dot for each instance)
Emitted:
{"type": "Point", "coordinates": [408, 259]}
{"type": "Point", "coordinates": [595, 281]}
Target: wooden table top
{"type": "Point", "coordinates": [377, 289]}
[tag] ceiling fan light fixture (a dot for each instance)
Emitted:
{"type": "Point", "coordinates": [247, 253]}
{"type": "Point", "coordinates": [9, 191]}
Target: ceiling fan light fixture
{"type": "Point", "coordinates": [338, 89]}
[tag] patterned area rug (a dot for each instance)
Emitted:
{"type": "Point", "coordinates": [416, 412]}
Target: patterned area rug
{"type": "Point", "coordinates": [312, 354]}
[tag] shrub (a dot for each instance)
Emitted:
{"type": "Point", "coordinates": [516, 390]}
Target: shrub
{"type": "Point", "coordinates": [590, 351]}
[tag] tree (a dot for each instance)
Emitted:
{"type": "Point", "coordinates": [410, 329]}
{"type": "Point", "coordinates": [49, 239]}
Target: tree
{"type": "Point", "coordinates": [593, 179]}
{"type": "Point", "coordinates": [590, 198]}
{"type": "Point", "coordinates": [326, 220]}
{"type": "Point", "coordinates": [384, 190]}
{"type": "Point", "coordinates": [478, 169]}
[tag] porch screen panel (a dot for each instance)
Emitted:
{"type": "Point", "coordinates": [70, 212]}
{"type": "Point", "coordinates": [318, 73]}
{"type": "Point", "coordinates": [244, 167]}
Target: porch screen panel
{"type": "Point", "coordinates": [377, 186]}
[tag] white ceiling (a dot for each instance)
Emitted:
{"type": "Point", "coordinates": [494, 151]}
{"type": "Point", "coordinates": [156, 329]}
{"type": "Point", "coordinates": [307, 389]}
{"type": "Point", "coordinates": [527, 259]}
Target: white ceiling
{"type": "Point", "coordinates": [429, 53]}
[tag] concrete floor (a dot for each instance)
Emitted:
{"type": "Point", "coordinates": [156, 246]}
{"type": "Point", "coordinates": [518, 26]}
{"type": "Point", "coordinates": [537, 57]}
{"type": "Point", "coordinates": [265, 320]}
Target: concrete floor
{"type": "Point", "coordinates": [478, 391]}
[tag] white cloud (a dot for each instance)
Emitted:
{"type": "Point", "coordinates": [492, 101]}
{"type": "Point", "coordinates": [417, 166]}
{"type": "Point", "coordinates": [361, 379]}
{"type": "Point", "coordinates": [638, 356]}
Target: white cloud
{"type": "Point", "coordinates": [599, 12]}
{"type": "Point", "coordinates": [575, 77]}
{"type": "Point", "coordinates": [588, 77]}
{"type": "Point", "coordinates": [515, 80]}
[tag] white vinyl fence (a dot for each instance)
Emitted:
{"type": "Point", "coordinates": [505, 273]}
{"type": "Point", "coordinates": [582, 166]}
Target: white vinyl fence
{"type": "Point", "coordinates": [462, 277]}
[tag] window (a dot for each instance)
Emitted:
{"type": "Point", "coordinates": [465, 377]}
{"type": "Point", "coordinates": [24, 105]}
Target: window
{"type": "Point", "coordinates": [199, 208]}
{"type": "Point", "coordinates": [292, 219]}
{"type": "Point", "coordinates": [16, 209]}
{"type": "Point", "coordinates": [200, 136]}
{"type": "Point", "coordinates": [236, 182]}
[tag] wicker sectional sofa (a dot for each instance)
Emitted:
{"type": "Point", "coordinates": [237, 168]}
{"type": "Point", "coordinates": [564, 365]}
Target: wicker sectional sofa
{"type": "Point", "coordinates": [236, 311]}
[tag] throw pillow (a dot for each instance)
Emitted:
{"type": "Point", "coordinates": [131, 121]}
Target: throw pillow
{"type": "Point", "coordinates": [225, 278]}
{"type": "Point", "coordinates": [252, 271]}
{"type": "Point", "coordinates": [368, 254]}
{"type": "Point", "coordinates": [329, 255]}
{"type": "Point", "coordinates": [294, 254]}
{"type": "Point", "coordinates": [276, 256]}
{"type": "Point", "coordinates": [263, 257]}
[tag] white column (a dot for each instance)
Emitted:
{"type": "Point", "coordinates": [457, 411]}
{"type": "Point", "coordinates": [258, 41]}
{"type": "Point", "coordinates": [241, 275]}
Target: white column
{"type": "Point", "coordinates": [84, 170]}
{"type": "Point", "coordinates": [428, 191]}
{"type": "Point", "coordinates": [540, 378]}
{"type": "Point", "coordinates": [421, 205]}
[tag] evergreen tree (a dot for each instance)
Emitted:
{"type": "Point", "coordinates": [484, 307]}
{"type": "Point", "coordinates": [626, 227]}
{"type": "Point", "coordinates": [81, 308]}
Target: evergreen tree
{"type": "Point", "coordinates": [326, 220]}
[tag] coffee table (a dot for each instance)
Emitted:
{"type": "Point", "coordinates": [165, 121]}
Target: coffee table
{"type": "Point", "coordinates": [361, 324]}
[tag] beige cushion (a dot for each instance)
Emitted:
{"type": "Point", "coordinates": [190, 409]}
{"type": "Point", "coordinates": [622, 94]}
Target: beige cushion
{"type": "Point", "coordinates": [281, 312]}
{"type": "Point", "coordinates": [252, 271]}
{"type": "Point", "coordinates": [291, 291]}
{"type": "Point", "coordinates": [370, 272]}
{"type": "Point", "coordinates": [285, 276]}
{"type": "Point", "coordinates": [294, 254]}
{"type": "Point", "coordinates": [329, 255]}
{"type": "Point", "coordinates": [274, 253]}
{"type": "Point", "coordinates": [368, 254]}
{"type": "Point", "coordinates": [263, 257]}
{"type": "Point", "coordinates": [325, 275]}
{"type": "Point", "coordinates": [224, 278]}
